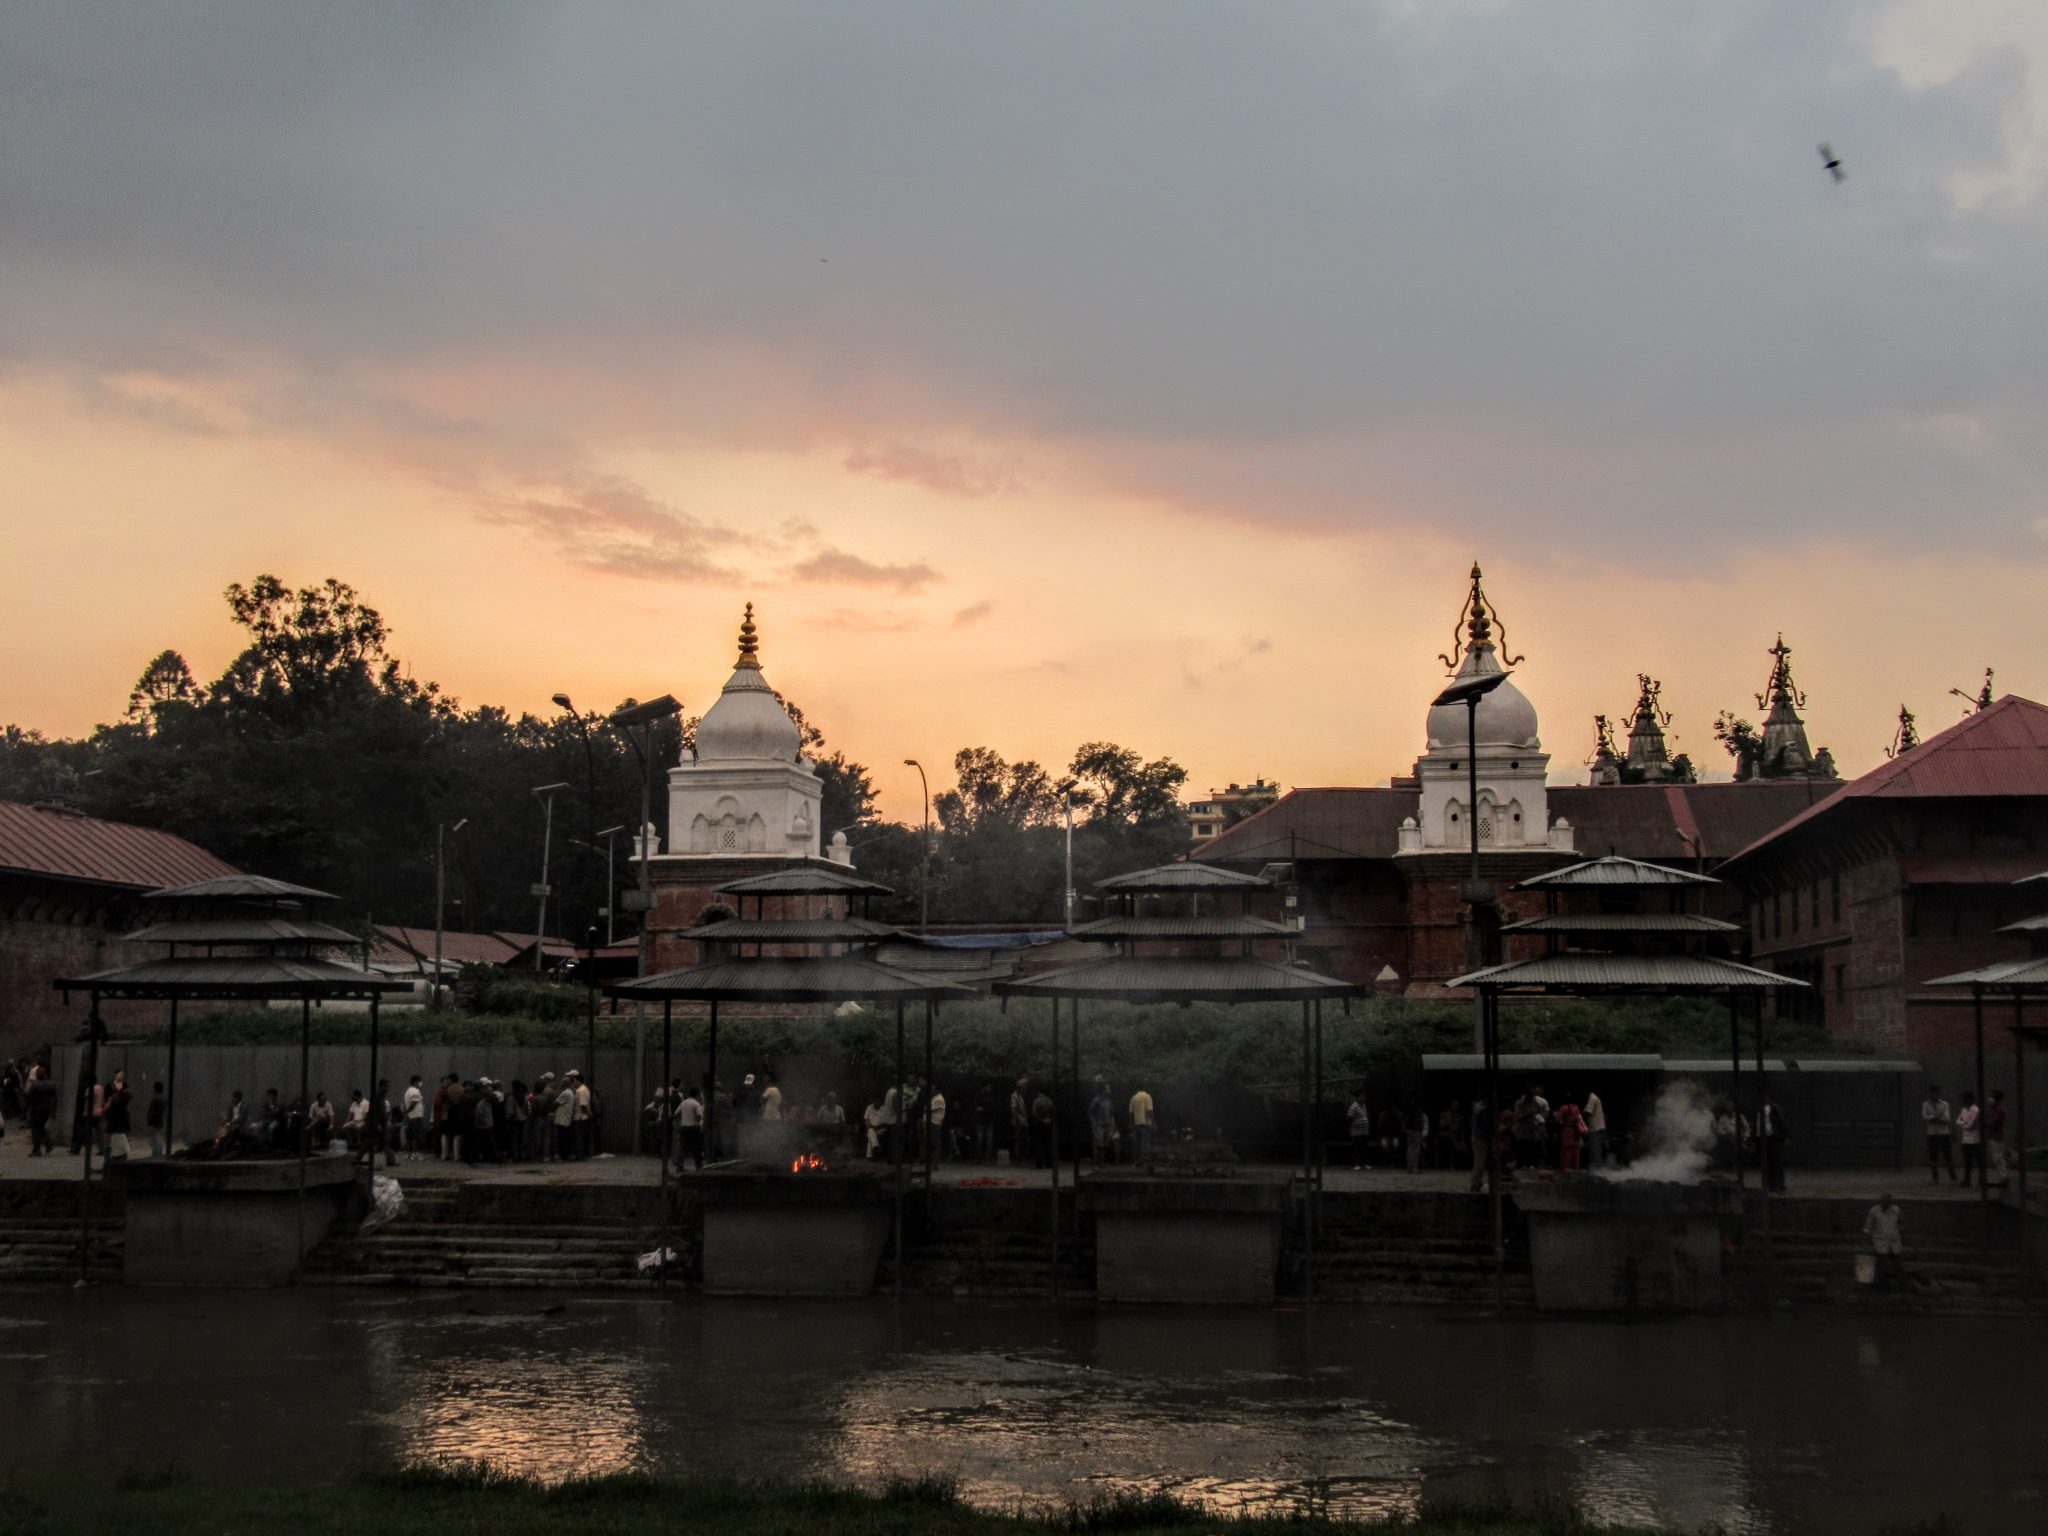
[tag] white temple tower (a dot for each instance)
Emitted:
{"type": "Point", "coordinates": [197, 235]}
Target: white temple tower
{"type": "Point", "coordinates": [747, 790]}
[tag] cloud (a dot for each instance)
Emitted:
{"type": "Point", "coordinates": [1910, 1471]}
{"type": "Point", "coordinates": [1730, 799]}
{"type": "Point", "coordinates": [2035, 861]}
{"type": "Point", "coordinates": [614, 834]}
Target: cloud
{"type": "Point", "coordinates": [1248, 650]}
{"type": "Point", "coordinates": [1377, 266]}
{"type": "Point", "coordinates": [948, 474]}
{"type": "Point", "coordinates": [611, 524]}
{"type": "Point", "coordinates": [973, 613]}
{"type": "Point", "coordinates": [838, 567]}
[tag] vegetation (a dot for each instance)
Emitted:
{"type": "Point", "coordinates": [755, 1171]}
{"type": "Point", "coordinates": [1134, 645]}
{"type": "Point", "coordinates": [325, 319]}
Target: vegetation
{"type": "Point", "coordinates": [462, 1499]}
{"type": "Point", "coordinates": [1258, 1045]}
{"type": "Point", "coordinates": [319, 757]}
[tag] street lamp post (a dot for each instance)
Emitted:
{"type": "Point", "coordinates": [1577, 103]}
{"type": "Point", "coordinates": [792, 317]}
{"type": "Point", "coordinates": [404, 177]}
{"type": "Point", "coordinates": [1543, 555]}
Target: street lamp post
{"type": "Point", "coordinates": [645, 716]}
{"type": "Point", "coordinates": [561, 701]}
{"type": "Point", "coordinates": [924, 884]}
{"type": "Point", "coordinates": [547, 843]}
{"type": "Point", "coordinates": [1066, 789]}
{"type": "Point", "coordinates": [1469, 690]}
{"type": "Point", "coordinates": [610, 887]}
{"type": "Point", "coordinates": [441, 831]}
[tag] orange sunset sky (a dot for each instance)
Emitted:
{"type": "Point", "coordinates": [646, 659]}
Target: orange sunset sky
{"type": "Point", "coordinates": [1042, 374]}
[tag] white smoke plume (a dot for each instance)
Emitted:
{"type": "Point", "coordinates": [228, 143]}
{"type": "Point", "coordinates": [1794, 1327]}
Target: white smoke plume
{"type": "Point", "coordinates": [1678, 1143]}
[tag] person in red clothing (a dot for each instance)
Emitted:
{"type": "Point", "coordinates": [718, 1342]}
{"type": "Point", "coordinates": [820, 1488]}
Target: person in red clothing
{"type": "Point", "coordinates": [1571, 1127]}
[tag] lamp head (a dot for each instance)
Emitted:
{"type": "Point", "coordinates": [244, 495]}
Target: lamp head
{"type": "Point", "coordinates": [1467, 690]}
{"type": "Point", "coordinates": [561, 701]}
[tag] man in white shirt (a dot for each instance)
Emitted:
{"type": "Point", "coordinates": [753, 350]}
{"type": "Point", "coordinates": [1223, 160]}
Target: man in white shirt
{"type": "Point", "coordinates": [585, 1121]}
{"type": "Point", "coordinates": [1882, 1227]}
{"type": "Point", "coordinates": [690, 1127]}
{"type": "Point", "coordinates": [1970, 1126]}
{"type": "Point", "coordinates": [1595, 1114]}
{"type": "Point", "coordinates": [935, 1123]}
{"type": "Point", "coordinates": [415, 1106]}
{"type": "Point", "coordinates": [1936, 1121]}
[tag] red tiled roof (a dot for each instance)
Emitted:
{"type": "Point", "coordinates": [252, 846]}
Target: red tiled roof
{"type": "Point", "coordinates": [1317, 824]}
{"type": "Point", "coordinates": [1640, 821]}
{"type": "Point", "coordinates": [69, 845]}
{"type": "Point", "coordinates": [1995, 752]}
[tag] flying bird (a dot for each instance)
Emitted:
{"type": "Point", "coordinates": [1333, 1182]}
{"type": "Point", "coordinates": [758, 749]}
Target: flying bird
{"type": "Point", "coordinates": [1829, 159]}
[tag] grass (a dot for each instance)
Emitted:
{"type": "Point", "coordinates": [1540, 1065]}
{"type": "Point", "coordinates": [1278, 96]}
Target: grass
{"type": "Point", "coordinates": [476, 1500]}
{"type": "Point", "coordinates": [468, 1499]}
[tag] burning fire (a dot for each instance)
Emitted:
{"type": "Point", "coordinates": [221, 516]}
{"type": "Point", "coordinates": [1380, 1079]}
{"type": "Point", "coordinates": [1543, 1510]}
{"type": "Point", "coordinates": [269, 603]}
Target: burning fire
{"type": "Point", "coordinates": [807, 1162]}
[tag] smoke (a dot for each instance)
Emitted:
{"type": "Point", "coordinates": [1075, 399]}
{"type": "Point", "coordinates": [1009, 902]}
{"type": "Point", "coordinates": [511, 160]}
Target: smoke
{"type": "Point", "coordinates": [1678, 1142]}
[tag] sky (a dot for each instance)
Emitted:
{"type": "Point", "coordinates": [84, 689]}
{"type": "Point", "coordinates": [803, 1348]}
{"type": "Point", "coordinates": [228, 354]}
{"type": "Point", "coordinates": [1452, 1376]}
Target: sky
{"type": "Point", "coordinates": [1041, 373]}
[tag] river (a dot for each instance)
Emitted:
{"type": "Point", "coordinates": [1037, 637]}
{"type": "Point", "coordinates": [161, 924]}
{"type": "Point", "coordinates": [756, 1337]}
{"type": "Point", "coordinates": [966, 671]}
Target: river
{"type": "Point", "coordinates": [1765, 1425]}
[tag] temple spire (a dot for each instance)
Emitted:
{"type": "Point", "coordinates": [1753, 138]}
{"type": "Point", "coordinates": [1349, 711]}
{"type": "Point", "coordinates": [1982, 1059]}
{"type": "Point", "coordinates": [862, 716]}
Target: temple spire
{"type": "Point", "coordinates": [1906, 737]}
{"type": "Point", "coordinates": [750, 645]}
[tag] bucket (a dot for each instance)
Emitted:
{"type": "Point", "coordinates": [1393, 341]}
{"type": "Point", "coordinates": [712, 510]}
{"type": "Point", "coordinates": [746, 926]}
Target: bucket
{"type": "Point", "coordinates": [1002, 1157]}
{"type": "Point", "coordinates": [1866, 1269]}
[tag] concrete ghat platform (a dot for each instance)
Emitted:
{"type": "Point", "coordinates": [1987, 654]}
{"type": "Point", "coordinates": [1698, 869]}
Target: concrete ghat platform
{"type": "Point", "coordinates": [226, 1223]}
{"type": "Point", "coordinates": [1186, 1240]}
{"type": "Point", "coordinates": [785, 1234]}
{"type": "Point", "coordinates": [1601, 1245]}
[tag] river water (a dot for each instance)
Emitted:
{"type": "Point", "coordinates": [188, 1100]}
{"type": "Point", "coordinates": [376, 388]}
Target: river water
{"type": "Point", "coordinates": [1812, 1424]}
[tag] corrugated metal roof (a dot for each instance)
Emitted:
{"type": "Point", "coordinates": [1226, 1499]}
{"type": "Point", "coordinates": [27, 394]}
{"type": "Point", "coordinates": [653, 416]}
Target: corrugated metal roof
{"type": "Point", "coordinates": [811, 880]}
{"type": "Point", "coordinates": [1708, 1066]}
{"type": "Point", "coordinates": [1147, 978]}
{"type": "Point", "coordinates": [458, 947]}
{"type": "Point", "coordinates": [795, 930]}
{"type": "Point", "coordinates": [1308, 824]}
{"type": "Point", "coordinates": [1961, 868]}
{"type": "Point", "coordinates": [244, 887]}
{"type": "Point", "coordinates": [788, 979]}
{"type": "Point", "coordinates": [1993, 753]}
{"type": "Point", "coordinates": [1181, 877]}
{"type": "Point", "coordinates": [2027, 924]}
{"type": "Point", "coordinates": [64, 844]}
{"type": "Point", "coordinates": [1613, 869]}
{"type": "Point", "coordinates": [1622, 922]}
{"type": "Point", "coordinates": [1588, 972]}
{"type": "Point", "coordinates": [253, 929]}
{"type": "Point", "coordinates": [1569, 1061]}
{"type": "Point", "coordinates": [250, 976]}
{"type": "Point", "coordinates": [2005, 975]}
{"type": "Point", "coordinates": [1217, 927]}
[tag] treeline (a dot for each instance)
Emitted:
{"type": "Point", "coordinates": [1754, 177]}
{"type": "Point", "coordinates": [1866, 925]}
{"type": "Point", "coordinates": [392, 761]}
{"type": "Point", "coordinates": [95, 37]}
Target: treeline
{"type": "Point", "coordinates": [317, 757]}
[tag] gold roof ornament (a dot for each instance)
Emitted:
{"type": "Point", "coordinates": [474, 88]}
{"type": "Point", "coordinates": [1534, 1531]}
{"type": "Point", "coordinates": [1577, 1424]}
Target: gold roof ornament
{"type": "Point", "coordinates": [750, 645]}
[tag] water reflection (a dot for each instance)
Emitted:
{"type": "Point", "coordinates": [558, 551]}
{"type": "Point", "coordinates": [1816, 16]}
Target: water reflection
{"type": "Point", "coordinates": [1764, 1426]}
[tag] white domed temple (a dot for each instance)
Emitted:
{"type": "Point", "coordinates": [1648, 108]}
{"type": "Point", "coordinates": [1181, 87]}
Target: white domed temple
{"type": "Point", "coordinates": [744, 801]}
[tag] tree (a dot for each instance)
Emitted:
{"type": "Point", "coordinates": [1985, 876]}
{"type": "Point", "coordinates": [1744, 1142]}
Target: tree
{"type": "Point", "coordinates": [166, 684]}
{"type": "Point", "coordinates": [1742, 741]}
{"type": "Point", "coordinates": [992, 794]}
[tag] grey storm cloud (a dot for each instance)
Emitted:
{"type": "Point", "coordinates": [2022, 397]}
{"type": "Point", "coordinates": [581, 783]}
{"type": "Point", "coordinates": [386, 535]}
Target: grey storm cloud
{"type": "Point", "coordinates": [1570, 273]}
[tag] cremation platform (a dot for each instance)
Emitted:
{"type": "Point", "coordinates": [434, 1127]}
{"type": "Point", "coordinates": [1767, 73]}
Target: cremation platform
{"type": "Point", "coordinates": [793, 1234]}
{"type": "Point", "coordinates": [234, 1222]}
{"type": "Point", "coordinates": [1180, 1239]}
{"type": "Point", "coordinates": [1611, 1245]}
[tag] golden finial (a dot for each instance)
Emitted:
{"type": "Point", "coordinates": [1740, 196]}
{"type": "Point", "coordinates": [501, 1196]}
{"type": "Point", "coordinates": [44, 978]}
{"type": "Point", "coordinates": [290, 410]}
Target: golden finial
{"type": "Point", "coordinates": [750, 645]}
{"type": "Point", "coordinates": [1478, 620]}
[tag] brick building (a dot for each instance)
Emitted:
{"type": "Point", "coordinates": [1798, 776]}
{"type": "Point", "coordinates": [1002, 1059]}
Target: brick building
{"type": "Point", "coordinates": [1378, 873]}
{"type": "Point", "coordinates": [1906, 875]}
{"type": "Point", "coordinates": [68, 889]}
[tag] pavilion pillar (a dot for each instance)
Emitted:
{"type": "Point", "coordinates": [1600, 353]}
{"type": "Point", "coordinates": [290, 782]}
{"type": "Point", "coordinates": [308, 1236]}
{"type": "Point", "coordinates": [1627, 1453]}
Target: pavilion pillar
{"type": "Point", "coordinates": [1763, 1107]}
{"type": "Point", "coordinates": [668, 1011]}
{"type": "Point", "coordinates": [896, 1146]}
{"type": "Point", "coordinates": [1490, 1046]}
{"type": "Point", "coordinates": [84, 1103]}
{"type": "Point", "coordinates": [1983, 1146]}
{"type": "Point", "coordinates": [2019, 1057]}
{"type": "Point", "coordinates": [1052, 1132]}
{"type": "Point", "coordinates": [929, 1132]}
{"type": "Point", "coordinates": [171, 1085]}
{"type": "Point", "coordinates": [711, 1087]}
{"type": "Point", "coordinates": [1081, 1122]}
{"type": "Point", "coordinates": [373, 1122]}
{"type": "Point", "coordinates": [305, 1106]}
{"type": "Point", "coordinates": [1308, 1228]}
{"type": "Point", "coordinates": [1735, 1086]}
